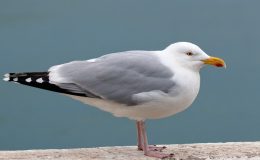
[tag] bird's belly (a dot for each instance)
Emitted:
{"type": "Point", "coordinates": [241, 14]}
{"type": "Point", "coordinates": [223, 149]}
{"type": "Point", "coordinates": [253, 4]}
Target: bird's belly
{"type": "Point", "coordinates": [164, 107]}
{"type": "Point", "coordinates": [167, 106]}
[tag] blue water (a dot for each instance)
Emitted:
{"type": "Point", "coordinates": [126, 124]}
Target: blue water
{"type": "Point", "coordinates": [35, 35]}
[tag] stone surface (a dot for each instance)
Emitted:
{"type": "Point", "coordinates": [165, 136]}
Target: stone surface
{"type": "Point", "coordinates": [203, 151]}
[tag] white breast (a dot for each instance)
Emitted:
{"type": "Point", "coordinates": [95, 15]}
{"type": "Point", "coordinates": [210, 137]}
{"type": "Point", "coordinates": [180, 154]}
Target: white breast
{"type": "Point", "coordinates": [182, 95]}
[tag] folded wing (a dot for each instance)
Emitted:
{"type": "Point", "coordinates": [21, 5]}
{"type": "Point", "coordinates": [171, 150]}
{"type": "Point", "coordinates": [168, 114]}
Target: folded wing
{"type": "Point", "coordinates": [117, 77]}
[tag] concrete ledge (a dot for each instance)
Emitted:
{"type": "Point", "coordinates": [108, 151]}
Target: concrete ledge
{"type": "Point", "coordinates": [202, 151]}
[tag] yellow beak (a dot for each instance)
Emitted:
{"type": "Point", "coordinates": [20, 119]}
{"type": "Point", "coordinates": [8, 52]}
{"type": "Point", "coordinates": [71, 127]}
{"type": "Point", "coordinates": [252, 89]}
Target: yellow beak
{"type": "Point", "coordinates": [215, 61]}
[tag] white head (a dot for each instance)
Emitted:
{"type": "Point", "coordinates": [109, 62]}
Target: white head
{"type": "Point", "coordinates": [191, 56]}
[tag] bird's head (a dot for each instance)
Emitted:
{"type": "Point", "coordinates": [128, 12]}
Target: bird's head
{"type": "Point", "coordinates": [190, 55]}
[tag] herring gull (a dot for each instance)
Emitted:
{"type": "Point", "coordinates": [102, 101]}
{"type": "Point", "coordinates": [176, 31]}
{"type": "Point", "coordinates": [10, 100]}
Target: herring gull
{"type": "Point", "coordinates": [139, 85]}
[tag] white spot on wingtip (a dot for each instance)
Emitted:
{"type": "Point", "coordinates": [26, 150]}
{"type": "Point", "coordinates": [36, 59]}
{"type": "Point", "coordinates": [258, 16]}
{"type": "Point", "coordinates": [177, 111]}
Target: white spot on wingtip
{"type": "Point", "coordinates": [6, 79]}
{"type": "Point", "coordinates": [15, 79]}
{"type": "Point", "coordinates": [28, 80]}
{"type": "Point", "coordinates": [39, 80]}
{"type": "Point", "coordinates": [7, 75]}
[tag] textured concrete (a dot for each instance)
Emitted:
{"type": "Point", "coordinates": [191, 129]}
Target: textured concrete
{"type": "Point", "coordinates": [207, 151]}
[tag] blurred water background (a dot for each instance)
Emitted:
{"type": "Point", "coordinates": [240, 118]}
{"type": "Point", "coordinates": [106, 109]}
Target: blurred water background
{"type": "Point", "coordinates": [35, 35]}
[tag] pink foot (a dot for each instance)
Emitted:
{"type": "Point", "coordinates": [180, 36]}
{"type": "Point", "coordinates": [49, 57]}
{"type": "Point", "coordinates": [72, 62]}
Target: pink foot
{"type": "Point", "coordinates": [153, 148]}
{"type": "Point", "coordinates": [156, 148]}
{"type": "Point", "coordinates": [160, 155]}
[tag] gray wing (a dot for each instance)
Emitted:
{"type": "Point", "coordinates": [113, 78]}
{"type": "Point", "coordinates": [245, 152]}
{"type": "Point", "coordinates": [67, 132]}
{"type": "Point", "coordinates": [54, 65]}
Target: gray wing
{"type": "Point", "coordinates": [117, 76]}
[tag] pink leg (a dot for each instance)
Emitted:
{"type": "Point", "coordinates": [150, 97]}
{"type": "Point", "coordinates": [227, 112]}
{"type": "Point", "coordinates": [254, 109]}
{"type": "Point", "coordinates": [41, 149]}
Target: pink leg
{"type": "Point", "coordinates": [147, 151]}
{"type": "Point", "coordinates": [140, 143]}
{"type": "Point", "coordinates": [139, 136]}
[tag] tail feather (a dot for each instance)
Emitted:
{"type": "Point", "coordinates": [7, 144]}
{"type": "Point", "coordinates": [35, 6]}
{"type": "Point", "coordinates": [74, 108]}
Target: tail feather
{"type": "Point", "coordinates": [38, 80]}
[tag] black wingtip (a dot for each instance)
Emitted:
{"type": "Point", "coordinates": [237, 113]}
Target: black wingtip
{"type": "Point", "coordinates": [27, 77]}
{"type": "Point", "coordinates": [38, 80]}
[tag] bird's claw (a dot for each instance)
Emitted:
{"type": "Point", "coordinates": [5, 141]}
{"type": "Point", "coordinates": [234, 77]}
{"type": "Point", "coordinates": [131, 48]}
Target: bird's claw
{"type": "Point", "coordinates": [153, 148]}
{"type": "Point", "coordinates": [156, 148]}
{"type": "Point", "coordinates": [160, 155]}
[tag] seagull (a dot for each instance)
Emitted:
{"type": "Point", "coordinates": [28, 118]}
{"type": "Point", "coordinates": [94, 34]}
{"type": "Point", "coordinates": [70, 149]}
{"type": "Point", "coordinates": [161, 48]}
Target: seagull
{"type": "Point", "coordinates": [139, 85]}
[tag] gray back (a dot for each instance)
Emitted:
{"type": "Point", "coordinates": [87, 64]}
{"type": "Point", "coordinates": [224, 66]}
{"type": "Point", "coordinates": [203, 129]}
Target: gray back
{"type": "Point", "coordinates": [118, 76]}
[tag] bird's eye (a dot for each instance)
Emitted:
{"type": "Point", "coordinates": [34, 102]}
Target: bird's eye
{"type": "Point", "coordinates": [189, 53]}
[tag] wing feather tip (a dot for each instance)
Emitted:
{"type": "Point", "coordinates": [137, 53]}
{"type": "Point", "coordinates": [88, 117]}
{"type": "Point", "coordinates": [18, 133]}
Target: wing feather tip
{"type": "Point", "coordinates": [6, 79]}
{"type": "Point", "coordinates": [7, 75]}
